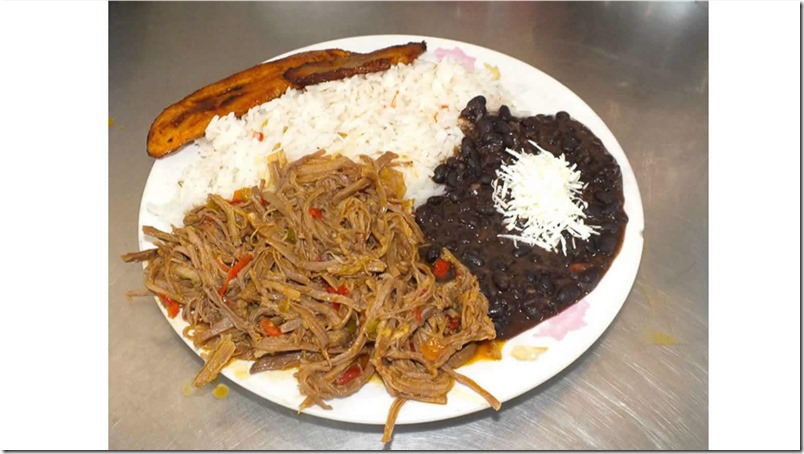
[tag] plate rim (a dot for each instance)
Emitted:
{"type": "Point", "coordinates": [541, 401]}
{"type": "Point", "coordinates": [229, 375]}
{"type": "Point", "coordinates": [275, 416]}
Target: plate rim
{"type": "Point", "coordinates": [593, 333]}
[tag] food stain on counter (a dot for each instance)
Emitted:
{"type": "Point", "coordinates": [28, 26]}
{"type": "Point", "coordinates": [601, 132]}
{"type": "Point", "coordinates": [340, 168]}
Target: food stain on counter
{"type": "Point", "coordinates": [569, 320]}
{"type": "Point", "coordinates": [662, 339]}
{"type": "Point", "coordinates": [112, 123]}
{"type": "Point", "coordinates": [220, 391]}
{"type": "Point", "coordinates": [654, 335]}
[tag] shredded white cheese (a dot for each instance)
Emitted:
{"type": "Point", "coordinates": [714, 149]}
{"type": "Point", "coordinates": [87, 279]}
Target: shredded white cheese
{"type": "Point", "coordinates": [539, 198]}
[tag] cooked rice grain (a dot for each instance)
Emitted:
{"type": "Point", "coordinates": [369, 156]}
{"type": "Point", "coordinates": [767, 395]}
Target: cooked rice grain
{"type": "Point", "coordinates": [411, 110]}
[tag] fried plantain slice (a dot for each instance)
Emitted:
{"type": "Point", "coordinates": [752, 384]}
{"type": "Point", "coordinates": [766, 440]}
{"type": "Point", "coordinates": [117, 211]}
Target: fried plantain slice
{"type": "Point", "coordinates": [340, 68]}
{"type": "Point", "coordinates": [187, 119]}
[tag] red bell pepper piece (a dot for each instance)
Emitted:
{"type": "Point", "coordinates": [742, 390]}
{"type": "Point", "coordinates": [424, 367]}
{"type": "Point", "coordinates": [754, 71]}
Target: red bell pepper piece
{"type": "Point", "coordinates": [316, 213]}
{"type": "Point", "coordinates": [234, 271]}
{"type": "Point", "coordinates": [441, 268]}
{"type": "Point", "coordinates": [349, 374]}
{"type": "Point", "coordinates": [171, 306]}
{"type": "Point", "coordinates": [269, 328]}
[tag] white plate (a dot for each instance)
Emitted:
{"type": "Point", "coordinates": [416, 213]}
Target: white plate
{"type": "Point", "coordinates": [565, 336]}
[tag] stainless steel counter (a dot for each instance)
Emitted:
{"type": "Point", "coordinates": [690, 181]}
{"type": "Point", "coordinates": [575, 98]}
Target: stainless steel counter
{"type": "Point", "coordinates": [641, 66]}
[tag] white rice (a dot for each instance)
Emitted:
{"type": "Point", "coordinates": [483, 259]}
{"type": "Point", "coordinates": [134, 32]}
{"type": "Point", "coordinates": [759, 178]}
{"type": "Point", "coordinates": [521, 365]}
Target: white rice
{"type": "Point", "coordinates": [411, 110]}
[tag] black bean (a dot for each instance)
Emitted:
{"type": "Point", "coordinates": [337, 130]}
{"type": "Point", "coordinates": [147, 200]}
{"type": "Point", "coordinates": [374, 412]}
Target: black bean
{"type": "Point", "coordinates": [568, 294]}
{"type": "Point", "coordinates": [477, 102]}
{"type": "Point", "coordinates": [475, 109]}
{"type": "Point", "coordinates": [537, 308]}
{"type": "Point", "coordinates": [570, 144]}
{"type": "Point", "coordinates": [499, 326]}
{"type": "Point", "coordinates": [532, 311]}
{"type": "Point", "coordinates": [471, 221]}
{"type": "Point", "coordinates": [434, 200]}
{"type": "Point", "coordinates": [606, 243]}
{"type": "Point", "coordinates": [472, 159]}
{"type": "Point", "coordinates": [455, 195]}
{"type": "Point", "coordinates": [501, 264]}
{"type": "Point", "coordinates": [594, 210]}
{"type": "Point", "coordinates": [473, 258]}
{"type": "Point", "coordinates": [568, 259]}
{"type": "Point", "coordinates": [590, 276]}
{"type": "Point", "coordinates": [474, 189]}
{"type": "Point", "coordinates": [492, 142]}
{"type": "Point", "coordinates": [501, 126]}
{"type": "Point", "coordinates": [467, 144]}
{"type": "Point", "coordinates": [610, 207]}
{"type": "Point", "coordinates": [530, 122]}
{"type": "Point", "coordinates": [547, 138]}
{"type": "Point", "coordinates": [453, 178]}
{"type": "Point", "coordinates": [545, 286]}
{"type": "Point", "coordinates": [605, 196]}
{"type": "Point", "coordinates": [486, 208]}
{"type": "Point", "coordinates": [530, 134]}
{"type": "Point", "coordinates": [521, 251]}
{"type": "Point", "coordinates": [602, 181]}
{"type": "Point", "coordinates": [510, 140]}
{"type": "Point", "coordinates": [531, 283]}
{"type": "Point", "coordinates": [501, 280]}
{"type": "Point", "coordinates": [546, 120]}
{"type": "Point", "coordinates": [504, 113]}
{"type": "Point", "coordinates": [490, 160]}
{"type": "Point", "coordinates": [485, 125]}
{"type": "Point", "coordinates": [432, 253]}
{"type": "Point", "coordinates": [496, 309]}
{"type": "Point", "coordinates": [440, 173]}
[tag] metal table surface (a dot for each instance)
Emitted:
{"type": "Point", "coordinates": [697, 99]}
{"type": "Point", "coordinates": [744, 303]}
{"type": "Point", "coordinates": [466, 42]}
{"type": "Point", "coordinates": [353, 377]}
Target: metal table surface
{"type": "Point", "coordinates": [641, 66]}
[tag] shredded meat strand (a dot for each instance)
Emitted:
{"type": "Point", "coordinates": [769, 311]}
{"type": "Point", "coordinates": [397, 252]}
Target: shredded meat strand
{"type": "Point", "coordinates": [321, 271]}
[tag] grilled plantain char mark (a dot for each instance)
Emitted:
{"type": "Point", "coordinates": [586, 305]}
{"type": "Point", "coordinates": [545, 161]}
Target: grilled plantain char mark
{"type": "Point", "coordinates": [187, 119]}
{"type": "Point", "coordinates": [340, 68]}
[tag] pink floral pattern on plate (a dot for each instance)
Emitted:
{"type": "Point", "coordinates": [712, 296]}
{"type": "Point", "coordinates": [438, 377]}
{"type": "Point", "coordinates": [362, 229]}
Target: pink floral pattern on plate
{"type": "Point", "coordinates": [569, 320]}
{"type": "Point", "coordinates": [456, 53]}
